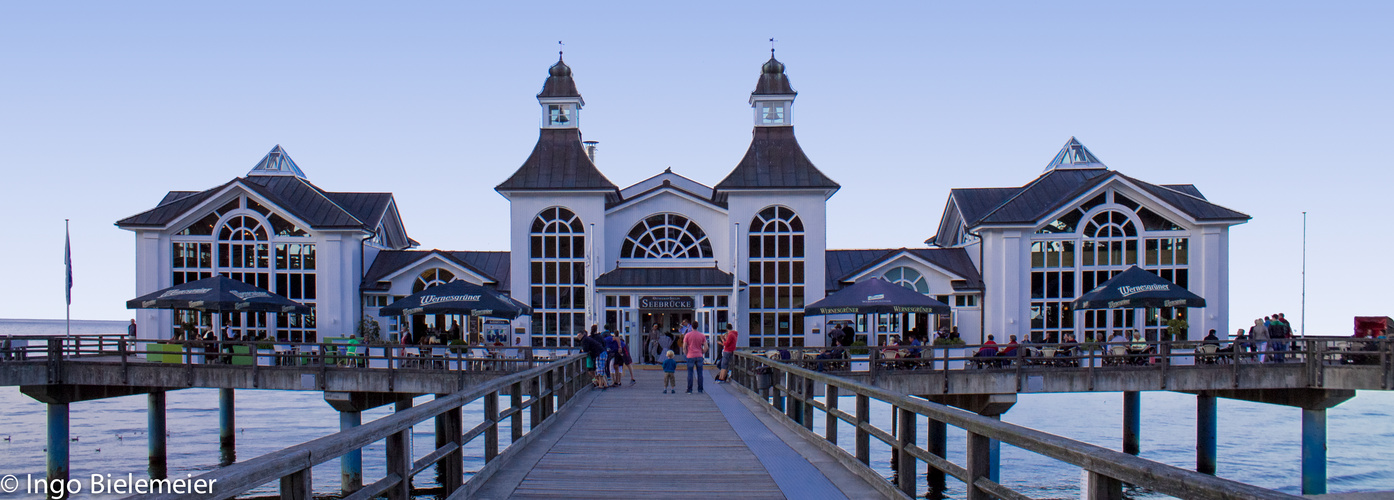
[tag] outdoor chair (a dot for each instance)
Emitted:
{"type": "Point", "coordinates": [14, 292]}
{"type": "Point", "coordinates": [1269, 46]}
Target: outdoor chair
{"type": "Point", "coordinates": [1116, 355]}
{"type": "Point", "coordinates": [1205, 353]}
{"type": "Point", "coordinates": [1048, 355]}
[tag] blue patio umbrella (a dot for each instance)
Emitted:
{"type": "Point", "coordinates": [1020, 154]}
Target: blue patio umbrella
{"type": "Point", "coordinates": [1137, 288]}
{"type": "Point", "coordinates": [458, 297]}
{"type": "Point", "coordinates": [217, 294]}
{"type": "Point", "coordinates": [876, 296]}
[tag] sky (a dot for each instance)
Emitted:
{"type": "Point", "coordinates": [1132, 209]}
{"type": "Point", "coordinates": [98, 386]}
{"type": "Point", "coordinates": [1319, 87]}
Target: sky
{"type": "Point", "coordinates": [1274, 109]}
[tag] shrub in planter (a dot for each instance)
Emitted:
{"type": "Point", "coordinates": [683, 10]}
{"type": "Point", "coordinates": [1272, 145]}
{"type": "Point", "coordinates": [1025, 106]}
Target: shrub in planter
{"type": "Point", "coordinates": [858, 347]}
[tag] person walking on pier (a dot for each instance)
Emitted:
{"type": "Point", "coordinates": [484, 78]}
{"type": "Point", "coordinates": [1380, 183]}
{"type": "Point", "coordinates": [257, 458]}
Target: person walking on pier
{"type": "Point", "coordinates": [696, 344]}
{"type": "Point", "coordinates": [1259, 334]}
{"type": "Point", "coordinates": [670, 367]}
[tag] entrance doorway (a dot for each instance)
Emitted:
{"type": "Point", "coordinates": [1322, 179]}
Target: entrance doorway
{"type": "Point", "coordinates": [657, 324]}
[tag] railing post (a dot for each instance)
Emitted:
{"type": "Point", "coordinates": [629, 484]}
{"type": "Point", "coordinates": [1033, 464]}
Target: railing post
{"type": "Point", "coordinates": [297, 486]}
{"type": "Point", "coordinates": [775, 392]}
{"type": "Point", "coordinates": [873, 357]}
{"type": "Point", "coordinates": [399, 463]}
{"type": "Point", "coordinates": [863, 444]}
{"type": "Point", "coordinates": [937, 436]}
{"type": "Point", "coordinates": [792, 407]}
{"type": "Point", "coordinates": [808, 391]}
{"type": "Point", "coordinates": [1102, 487]}
{"type": "Point", "coordinates": [831, 420]}
{"type": "Point", "coordinates": [516, 402]}
{"type": "Point", "coordinates": [535, 412]}
{"type": "Point", "coordinates": [449, 430]}
{"type": "Point", "coordinates": [491, 434]}
{"type": "Point", "coordinates": [906, 472]}
{"type": "Point", "coordinates": [550, 387]}
{"type": "Point", "coordinates": [979, 464]}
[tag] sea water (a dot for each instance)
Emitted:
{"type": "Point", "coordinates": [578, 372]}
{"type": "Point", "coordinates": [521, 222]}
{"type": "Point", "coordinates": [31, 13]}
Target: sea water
{"type": "Point", "coordinates": [1258, 444]}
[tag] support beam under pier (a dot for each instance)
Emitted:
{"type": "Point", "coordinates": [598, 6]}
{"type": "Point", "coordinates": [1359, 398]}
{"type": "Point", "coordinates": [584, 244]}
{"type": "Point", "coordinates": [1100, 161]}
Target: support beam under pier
{"type": "Point", "coordinates": [57, 447]}
{"type": "Point", "coordinates": [1314, 451]}
{"type": "Point", "coordinates": [227, 420]}
{"type": "Point", "coordinates": [351, 406]}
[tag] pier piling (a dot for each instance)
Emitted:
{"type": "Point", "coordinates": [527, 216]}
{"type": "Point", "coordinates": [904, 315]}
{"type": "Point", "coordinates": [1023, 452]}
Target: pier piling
{"type": "Point", "coordinates": [1132, 421]}
{"type": "Point", "coordinates": [351, 464]}
{"type": "Point", "coordinates": [155, 434]}
{"type": "Point", "coordinates": [57, 447]}
{"type": "Point", "coordinates": [1207, 416]}
{"type": "Point", "coordinates": [1313, 451]}
{"type": "Point", "coordinates": [227, 419]}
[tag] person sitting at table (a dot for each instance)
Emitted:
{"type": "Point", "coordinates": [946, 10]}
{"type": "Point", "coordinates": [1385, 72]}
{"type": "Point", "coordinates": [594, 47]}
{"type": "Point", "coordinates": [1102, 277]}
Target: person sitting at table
{"type": "Point", "coordinates": [1138, 347]}
{"type": "Point", "coordinates": [1067, 350]}
{"type": "Point", "coordinates": [1009, 350]}
{"type": "Point", "coordinates": [988, 351]}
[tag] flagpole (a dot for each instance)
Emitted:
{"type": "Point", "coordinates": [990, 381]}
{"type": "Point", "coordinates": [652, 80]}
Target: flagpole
{"type": "Point", "coordinates": [68, 277]}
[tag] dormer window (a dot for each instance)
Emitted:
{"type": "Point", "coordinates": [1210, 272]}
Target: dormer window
{"type": "Point", "coordinates": [772, 113]}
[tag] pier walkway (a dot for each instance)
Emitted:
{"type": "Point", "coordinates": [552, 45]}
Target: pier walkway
{"type": "Point", "coordinates": [636, 442]}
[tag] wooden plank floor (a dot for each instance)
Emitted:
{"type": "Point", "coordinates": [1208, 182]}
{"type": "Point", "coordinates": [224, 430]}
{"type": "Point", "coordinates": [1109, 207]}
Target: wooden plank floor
{"type": "Point", "coordinates": [636, 442]}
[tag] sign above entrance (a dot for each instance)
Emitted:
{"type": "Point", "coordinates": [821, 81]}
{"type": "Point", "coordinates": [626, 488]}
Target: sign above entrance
{"type": "Point", "coordinates": [667, 303]}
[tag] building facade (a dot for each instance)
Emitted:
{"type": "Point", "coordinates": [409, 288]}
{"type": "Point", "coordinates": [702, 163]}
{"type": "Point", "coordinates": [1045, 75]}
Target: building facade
{"type": "Point", "coordinates": [748, 252]}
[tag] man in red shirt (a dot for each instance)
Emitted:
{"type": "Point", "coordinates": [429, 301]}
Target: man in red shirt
{"type": "Point", "coordinates": [728, 353]}
{"type": "Point", "coordinates": [696, 344]}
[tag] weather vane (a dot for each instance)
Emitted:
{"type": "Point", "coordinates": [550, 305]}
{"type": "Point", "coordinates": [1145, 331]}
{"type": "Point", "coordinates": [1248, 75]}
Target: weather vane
{"type": "Point", "coordinates": [772, 47]}
{"type": "Point", "coordinates": [559, 49]}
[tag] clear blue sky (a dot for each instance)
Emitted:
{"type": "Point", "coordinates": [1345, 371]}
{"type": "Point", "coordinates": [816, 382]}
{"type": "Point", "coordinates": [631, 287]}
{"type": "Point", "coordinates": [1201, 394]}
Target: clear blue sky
{"type": "Point", "coordinates": [1270, 108]}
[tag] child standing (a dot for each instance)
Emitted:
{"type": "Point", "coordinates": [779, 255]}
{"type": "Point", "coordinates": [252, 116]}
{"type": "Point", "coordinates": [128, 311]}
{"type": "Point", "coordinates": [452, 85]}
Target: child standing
{"type": "Point", "coordinates": [670, 366]}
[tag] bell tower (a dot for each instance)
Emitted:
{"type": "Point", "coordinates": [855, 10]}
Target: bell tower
{"type": "Point", "coordinates": [561, 102]}
{"type": "Point", "coordinates": [773, 98]}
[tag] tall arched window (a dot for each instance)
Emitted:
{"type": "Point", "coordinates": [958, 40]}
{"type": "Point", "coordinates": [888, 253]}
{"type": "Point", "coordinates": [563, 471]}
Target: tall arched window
{"type": "Point", "coordinates": [776, 274]}
{"type": "Point", "coordinates": [432, 277]}
{"type": "Point", "coordinates": [666, 236]}
{"type": "Point", "coordinates": [908, 278]}
{"type": "Point", "coordinates": [244, 254]}
{"type": "Point", "coordinates": [557, 274]}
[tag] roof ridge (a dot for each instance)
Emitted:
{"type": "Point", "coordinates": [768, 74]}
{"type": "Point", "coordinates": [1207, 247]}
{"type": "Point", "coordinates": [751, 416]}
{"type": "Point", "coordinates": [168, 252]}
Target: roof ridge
{"type": "Point", "coordinates": [325, 194]}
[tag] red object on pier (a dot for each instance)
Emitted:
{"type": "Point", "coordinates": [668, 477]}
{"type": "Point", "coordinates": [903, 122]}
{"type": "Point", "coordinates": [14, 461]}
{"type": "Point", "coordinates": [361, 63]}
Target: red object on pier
{"type": "Point", "coordinates": [1373, 326]}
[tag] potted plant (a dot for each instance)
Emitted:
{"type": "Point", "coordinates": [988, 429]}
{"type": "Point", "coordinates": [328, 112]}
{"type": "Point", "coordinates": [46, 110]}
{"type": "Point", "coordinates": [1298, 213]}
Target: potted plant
{"type": "Point", "coordinates": [953, 348]}
{"type": "Point", "coordinates": [371, 332]}
{"type": "Point", "coordinates": [458, 350]}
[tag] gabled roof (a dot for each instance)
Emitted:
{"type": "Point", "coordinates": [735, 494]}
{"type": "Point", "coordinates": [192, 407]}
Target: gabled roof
{"type": "Point", "coordinates": [318, 208]}
{"type": "Point", "coordinates": [276, 162]}
{"type": "Point", "coordinates": [493, 265]}
{"type": "Point", "coordinates": [1055, 188]}
{"type": "Point", "coordinates": [558, 162]}
{"type": "Point", "coordinates": [775, 161]}
{"type": "Point", "coordinates": [844, 264]}
{"type": "Point", "coordinates": [665, 277]}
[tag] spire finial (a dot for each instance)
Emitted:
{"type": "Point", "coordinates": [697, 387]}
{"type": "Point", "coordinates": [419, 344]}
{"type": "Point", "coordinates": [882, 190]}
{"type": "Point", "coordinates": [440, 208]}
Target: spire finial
{"type": "Point", "coordinates": [772, 40]}
{"type": "Point", "coordinates": [559, 50]}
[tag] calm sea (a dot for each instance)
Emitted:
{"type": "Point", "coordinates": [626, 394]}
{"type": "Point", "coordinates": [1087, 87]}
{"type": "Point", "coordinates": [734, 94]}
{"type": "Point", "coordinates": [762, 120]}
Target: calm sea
{"type": "Point", "coordinates": [1258, 444]}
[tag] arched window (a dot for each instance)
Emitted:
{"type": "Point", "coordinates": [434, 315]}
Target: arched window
{"type": "Point", "coordinates": [776, 276]}
{"type": "Point", "coordinates": [243, 251]}
{"type": "Point", "coordinates": [432, 277]}
{"type": "Point", "coordinates": [666, 236]}
{"type": "Point", "coordinates": [557, 274]}
{"type": "Point", "coordinates": [908, 278]}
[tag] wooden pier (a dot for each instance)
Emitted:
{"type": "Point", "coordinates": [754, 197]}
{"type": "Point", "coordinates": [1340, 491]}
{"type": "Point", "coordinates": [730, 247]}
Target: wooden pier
{"type": "Point", "coordinates": [753, 437]}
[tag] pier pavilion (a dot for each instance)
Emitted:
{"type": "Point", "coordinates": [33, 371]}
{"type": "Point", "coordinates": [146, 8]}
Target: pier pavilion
{"type": "Point", "coordinates": [748, 251]}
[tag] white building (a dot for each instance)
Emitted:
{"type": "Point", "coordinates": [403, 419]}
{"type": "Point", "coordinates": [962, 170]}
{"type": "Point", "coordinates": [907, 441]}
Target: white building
{"type": "Point", "coordinates": [749, 251]}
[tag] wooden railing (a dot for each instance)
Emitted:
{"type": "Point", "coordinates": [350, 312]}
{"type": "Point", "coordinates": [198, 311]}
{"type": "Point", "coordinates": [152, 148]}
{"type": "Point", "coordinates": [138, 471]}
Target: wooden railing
{"type": "Point", "coordinates": [122, 349]}
{"type": "Point", "coordinates": [1315, 351]}
{"type": "Point", "coordinates": [549, 389]}
{"type": "Point", "coordinates": [792, 389]}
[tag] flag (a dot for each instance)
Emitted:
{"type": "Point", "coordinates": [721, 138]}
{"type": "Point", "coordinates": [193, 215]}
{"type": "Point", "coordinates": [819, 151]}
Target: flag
{"type": "Point", "coordinates": [68, 262]}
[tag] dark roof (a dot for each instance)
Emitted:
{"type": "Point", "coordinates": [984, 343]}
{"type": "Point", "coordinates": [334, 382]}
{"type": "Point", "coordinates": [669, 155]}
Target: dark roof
{"type": "Point", "coordinates": [843, 264]}
{"type": "Point", "coordinates": [559, 161]}
{"type": "Point", "coordinates": [666, 277]}
{"type": "Point", "coordinates": [775, 160]}
{"type": "Point", "coordinates": [493, 265]}
{"type": "Point", "coordinates": [1055, 188]}
{"type": "Point", "coordinates": [318, 208]}
{"type": "Point", "coordinates": [559, 82]}
{"type": "Point", "coordinates": [773, 81]}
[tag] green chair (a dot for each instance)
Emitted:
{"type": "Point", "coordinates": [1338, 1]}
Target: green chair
{"type": "Point", "coordinates": [242, 355]}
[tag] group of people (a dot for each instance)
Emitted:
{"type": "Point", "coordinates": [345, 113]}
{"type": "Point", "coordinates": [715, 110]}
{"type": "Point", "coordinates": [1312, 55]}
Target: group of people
{"type": "Point", "coordinates": [1269, 337]}
{"type": "Point", "coordinates": [607, 357]}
